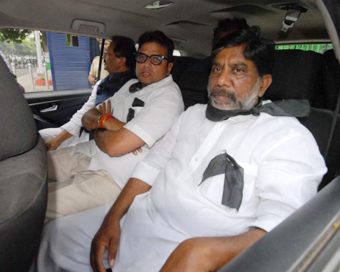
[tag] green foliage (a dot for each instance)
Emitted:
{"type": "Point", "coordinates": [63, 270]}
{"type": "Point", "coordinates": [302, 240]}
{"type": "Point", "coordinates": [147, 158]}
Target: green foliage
{"type": "Point", "coordinates": [316, 47]}
{"type": "Point", "coordinates": [14, 35]}
{"type": "Point", "coordinates": [25, 48]}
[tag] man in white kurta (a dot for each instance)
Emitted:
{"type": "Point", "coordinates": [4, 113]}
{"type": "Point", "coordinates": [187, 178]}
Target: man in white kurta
{"type": "Point", "coordinates": [282, 169]}
{"type": "Point", "coordinates": [71, 133]}
{"type": "Point", "coordinates": [167, 217]}
{"type": "Point", "coordinates": [92, 173]}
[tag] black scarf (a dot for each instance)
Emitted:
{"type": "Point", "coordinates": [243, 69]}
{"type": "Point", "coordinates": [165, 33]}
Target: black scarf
{"type": "Point", "coordinates": [290, 107]}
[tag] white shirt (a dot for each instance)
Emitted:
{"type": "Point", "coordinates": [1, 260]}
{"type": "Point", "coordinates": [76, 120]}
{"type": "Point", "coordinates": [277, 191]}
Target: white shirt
{"type": "Point", "coordinates": [163, 104]}
{"type": "Point", "coordinates": [73, 126]}
{"type": "Point", "coordinates": [282, 168]}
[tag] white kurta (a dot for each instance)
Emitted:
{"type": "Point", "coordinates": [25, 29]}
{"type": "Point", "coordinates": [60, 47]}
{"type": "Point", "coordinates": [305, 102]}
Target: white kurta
{"type": "Point", "coordinates": [163, 104]}
{"type": "Point", "coordinates": [282, 168]}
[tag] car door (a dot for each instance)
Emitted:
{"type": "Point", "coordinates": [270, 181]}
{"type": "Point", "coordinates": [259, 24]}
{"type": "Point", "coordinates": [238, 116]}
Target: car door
{"type": "Point", "coordinates": [53, 109]}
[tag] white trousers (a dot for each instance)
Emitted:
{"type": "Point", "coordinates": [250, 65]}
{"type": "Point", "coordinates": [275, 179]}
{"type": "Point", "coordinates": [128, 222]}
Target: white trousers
{"type": "Point", "coordinates": [50, 133]}
{"type": "Point", "coordinates": [73, 188]}
{"type": "Point", "coordinates": [66, 242]}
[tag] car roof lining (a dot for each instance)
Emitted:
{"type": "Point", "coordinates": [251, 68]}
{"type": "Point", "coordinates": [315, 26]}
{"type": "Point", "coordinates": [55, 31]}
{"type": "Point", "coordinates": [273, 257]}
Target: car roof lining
{"type": "Point", "coordinates": [58, 16]}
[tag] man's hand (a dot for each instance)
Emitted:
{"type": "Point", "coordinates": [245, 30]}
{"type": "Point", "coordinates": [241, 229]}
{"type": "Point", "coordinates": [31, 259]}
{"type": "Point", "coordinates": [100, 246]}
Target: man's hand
{"type": "Point", "coordinates": [109, 233]}
{"type": "Point", "coordinates": [55, 142]}
{"type": "Point", "coordinates": [107, 237]}
{"type": "Point", "coordinates": [138, 150]}
{"type": "Point", "coordinates": [105, 107]}
{"type": "Point", "coordinates": [92, 79]}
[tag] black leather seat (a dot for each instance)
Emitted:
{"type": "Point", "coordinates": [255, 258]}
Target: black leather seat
{"type": "Point", "coordinates": [319, 123]}
{"type": "Point", "coordinates": [23, 189]}
{"type": "Point", "coordinates": [192, 75]}
{"type": "Point", "coordinates": [331, 72]}
{"type": "Point", "coordinates": [297, 75]}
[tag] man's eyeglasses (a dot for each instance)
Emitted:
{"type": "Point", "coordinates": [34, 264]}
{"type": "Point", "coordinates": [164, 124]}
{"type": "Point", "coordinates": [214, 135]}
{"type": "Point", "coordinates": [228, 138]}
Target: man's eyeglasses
{"type": "Point", "coordinates": [155, 59]}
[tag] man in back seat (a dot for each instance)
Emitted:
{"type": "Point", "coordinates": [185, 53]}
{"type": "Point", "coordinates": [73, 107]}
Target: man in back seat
{"type": "Point", "coordinates": [137, 116]}
{"type": "Point", "coordinates": [223, 176]}
{"type": "Point", "coordinates": [120, 64]}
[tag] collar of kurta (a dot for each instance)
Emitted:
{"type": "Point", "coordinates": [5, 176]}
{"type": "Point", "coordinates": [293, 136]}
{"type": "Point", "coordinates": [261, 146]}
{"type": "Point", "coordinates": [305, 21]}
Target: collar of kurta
{"type": "Point", "coordinates": [138, 85]}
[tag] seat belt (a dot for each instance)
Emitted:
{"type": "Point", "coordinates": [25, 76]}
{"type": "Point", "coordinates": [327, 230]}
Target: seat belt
{"type": "Point", "coordinates": [100, 59]}
{"type": "Point", "coordinates": [334, 121]}
{"type": "Point", "coordinates": [291, 17]}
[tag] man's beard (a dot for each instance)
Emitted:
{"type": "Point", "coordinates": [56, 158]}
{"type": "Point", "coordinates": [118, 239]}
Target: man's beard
{"type": "Point", "coordinates": [247, 103]}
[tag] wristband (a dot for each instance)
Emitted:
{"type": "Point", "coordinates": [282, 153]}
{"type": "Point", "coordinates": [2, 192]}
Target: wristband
{"type": "Point", "coordinates": [103, 119]}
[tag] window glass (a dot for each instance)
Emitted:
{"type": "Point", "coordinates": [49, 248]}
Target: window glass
{"type": "Point", "coordinates": [47, 61]}
{"type": "Point", "coordinates": [316, 47]}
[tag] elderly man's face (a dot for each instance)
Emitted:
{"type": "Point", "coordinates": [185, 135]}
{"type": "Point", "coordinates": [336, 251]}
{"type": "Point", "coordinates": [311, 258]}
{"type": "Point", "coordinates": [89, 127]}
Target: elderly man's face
{"type": "Point", "coordinates": [234, 82]}
{"type": "Point", "coordinates": [149, 73]}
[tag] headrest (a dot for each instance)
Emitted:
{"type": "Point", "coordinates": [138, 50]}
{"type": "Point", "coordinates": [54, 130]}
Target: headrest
{"type": "Point", "coordinates": [297, 75]}
{"type": "Point", "coordinates": [18, 131]}
{"type": "Point", "coordinates": [331, 72]}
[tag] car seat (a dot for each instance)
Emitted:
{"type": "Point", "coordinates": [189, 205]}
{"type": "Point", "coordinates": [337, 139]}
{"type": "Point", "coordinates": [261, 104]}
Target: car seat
{"type": "Point", "coordinates": [23, 189]}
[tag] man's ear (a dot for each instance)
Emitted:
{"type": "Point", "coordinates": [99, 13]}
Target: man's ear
{"type": "Point", "coordinates": [266, 80]}
{"type": "Point", "coordinates": [122, 61]}
{"type": "Point", "coordinates": [170, 65]}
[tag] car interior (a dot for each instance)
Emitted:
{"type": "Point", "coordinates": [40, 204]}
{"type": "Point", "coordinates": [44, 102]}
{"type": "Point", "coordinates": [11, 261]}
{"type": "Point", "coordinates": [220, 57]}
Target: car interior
{"type": "Point", "coordinates": [309, 240]}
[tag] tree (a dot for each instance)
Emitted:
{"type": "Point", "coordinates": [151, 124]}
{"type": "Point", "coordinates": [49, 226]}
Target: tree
{"type": "Point", "coordinates": [19, 35]}
{"type": "Point", "coordinates": [25, 48]}
{"type": "Point", "coordinates": [15, 35]}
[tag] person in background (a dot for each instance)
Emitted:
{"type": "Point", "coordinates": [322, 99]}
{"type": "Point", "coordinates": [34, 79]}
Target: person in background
{"type": "Point", "coordinates": [119, 63]}
{"type": "Point", "coordinates": [225, 27]}
{"type": "Point", "coordinates": [203, 66]}
{"type": "Point", "coordinates": [93, 74]}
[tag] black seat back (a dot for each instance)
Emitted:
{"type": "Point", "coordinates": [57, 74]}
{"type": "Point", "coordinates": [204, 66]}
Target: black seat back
{"type": "Point", "coordinates": [331, 74]}
{"type": "Point", "coordinates": [23, 167]}
{"type": "Point", "coordinates": [319, 123]}
{"type": "Point", "coordinates": [192, 75]}
{"type": "Point", "coordinates": [297, 75]}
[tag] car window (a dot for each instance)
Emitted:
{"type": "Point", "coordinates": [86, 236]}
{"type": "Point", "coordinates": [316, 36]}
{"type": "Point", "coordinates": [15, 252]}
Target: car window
{"type": "Point", "coordinates": [55, 62]}
{"type": "Point", "coordinates": [46, 61]}
{"type": "Point", "coordinates": [316, 47]}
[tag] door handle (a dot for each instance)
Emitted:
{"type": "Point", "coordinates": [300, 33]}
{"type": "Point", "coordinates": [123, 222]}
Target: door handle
{"type": "Point", "coordinates": [52, 108]}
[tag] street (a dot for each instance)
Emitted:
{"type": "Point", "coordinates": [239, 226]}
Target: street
{"type": "Point", "coordinates": [24, 71]}
{"type": "Point", "coordinates": [24, 79]}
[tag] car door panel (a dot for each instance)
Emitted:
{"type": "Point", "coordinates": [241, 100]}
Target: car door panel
{"type": "Point", "coordinates": [53, 109]}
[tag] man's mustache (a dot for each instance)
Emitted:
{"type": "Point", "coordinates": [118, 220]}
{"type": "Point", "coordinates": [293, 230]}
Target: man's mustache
{"type": "Point", "coordinates": [219, 91]}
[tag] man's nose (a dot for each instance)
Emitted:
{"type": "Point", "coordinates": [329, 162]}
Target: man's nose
{"type": "Point", "coordinates": [224, 78]}
{"type": "Point", "coordinates": [147, 63]}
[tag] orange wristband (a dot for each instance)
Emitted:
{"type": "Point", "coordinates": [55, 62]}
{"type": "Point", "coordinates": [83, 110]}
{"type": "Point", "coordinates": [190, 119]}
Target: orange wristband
{"type": "Point", "coordinates": [103, 120]}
